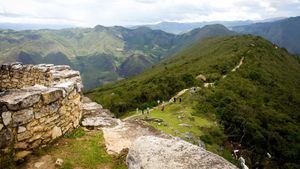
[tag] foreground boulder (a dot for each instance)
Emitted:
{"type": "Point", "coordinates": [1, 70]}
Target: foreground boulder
{"type": "Point", "coordinates": [150, 152]}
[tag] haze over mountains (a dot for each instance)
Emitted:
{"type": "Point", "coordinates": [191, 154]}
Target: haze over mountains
{"type": "Point", "coordinates": [284, 33]}
{"type": "Point", "coordinates": [106, 54]}
{"type": "Point", "coordinates": [177, 27]}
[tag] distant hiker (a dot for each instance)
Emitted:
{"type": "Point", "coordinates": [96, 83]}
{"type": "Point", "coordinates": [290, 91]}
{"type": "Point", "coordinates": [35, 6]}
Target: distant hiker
{"type": "Point", "coordinates": [235, 152]}
{"type": "Point", "coordinates": [269, 155]}
{"type": "Point", "coordinates": [158, 101]}
{"type": "Point", "coordinates": [148, 110]}
{"type": "Point", "coordinates": [163, 106]}
{"type": "Point", "coordinates": [180, 100]}
{"type": "Point", "coordinates": [174, 99]}
{"type": "Point", "coordinates": [242, 163]}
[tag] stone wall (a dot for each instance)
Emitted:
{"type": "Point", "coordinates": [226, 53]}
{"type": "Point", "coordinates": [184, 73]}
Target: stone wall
{"type": "Point", "coordinates": [38, 103]}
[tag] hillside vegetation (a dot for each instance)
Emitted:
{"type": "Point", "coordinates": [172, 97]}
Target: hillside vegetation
{"type": "Point", "coordinates": [258, 105]}
{"type": "Point", "coordinates": [101, 54]}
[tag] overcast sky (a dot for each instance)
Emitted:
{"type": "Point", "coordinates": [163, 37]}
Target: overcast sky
{"type": "Point", "coordinates": [131, 12]}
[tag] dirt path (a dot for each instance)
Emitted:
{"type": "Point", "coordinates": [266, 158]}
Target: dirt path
{"type": "Point", "coordinates": [239, 65]}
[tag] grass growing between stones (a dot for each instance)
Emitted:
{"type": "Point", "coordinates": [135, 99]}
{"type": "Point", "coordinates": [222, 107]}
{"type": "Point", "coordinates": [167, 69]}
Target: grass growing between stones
{"type": "Point", "coordinates": [81, 149]}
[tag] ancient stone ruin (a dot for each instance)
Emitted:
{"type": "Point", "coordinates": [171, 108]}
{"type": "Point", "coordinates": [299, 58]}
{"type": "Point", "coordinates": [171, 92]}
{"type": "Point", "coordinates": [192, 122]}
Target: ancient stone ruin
{"type": "Point", "coordinates": [38, 103]}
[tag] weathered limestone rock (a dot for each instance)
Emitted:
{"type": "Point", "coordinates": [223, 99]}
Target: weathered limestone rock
{"type": "Point", "coordinates": [21, 145]}
{"type": "Point", "coordinates": [56, 132]}
{"type": "Point", "coordinates": [52, 95]}
{"type": "Point", "coordinates": [24, 136]}
{"type": "Point", "coordinates": [95, 116]}
{"type": "Point", "coordinates": [6, 116]}
{"type": "Point", "coordinates": [20, 155]}
{"type": "Point", "coordinates": [201, 77]}
{"type": "Point", "coordinates": [121, 136]}
{"type": "Point", "coordinates": [19, 99]}
{"type": "Point", "coordinates": [99, 121]}
{"type": "Point", "coordinates": [150, 152]}
{"type": "Point", "coordinates": [21, 129]}
{"type": "Point", "coordinates": [22, 117]}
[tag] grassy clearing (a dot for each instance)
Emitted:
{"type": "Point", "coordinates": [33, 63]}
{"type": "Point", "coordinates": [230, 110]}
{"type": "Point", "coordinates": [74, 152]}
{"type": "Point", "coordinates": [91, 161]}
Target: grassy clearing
{"type": "Point", "coordinates": [179, 120]}
{"type": "Point", "coordinates": [85, 150]}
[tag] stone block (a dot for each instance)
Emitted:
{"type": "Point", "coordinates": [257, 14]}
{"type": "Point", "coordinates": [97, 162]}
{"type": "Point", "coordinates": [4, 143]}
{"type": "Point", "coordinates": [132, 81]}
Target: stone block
{"type": "Point", "coordinates": [22, 116]}
{"type": "Point", "coordinates": [21, 129]}
{"type": "Point", "coordinates": [35, 136]}
{"type": "Point", "coordinates": [21, 145]}
{"type": "Point", "coordinates": [24, 136]}
{"type": "Point", "coordinates": [46, 110]}
{"type": "Point", "coordinates": [6, 117]}
{"type": "Point", "coordinates": [56, 132]}
{"type": "Point", "coordinates": [52, 95]}
{"type": "Point", "coordinates": [22, 154]}
{"type": "Point", "coordinates": [36, 144]}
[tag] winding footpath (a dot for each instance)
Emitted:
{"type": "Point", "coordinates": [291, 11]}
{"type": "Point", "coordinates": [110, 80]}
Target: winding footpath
{"type": "Point", "coordinates": [184, 91]}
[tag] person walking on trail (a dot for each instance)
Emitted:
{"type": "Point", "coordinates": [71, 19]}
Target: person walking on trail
{"type": "Point", "coordinates": [148, 110]}
{"type": "Point", "coordinates": [174, 99]}
{"type": "Point", "coordinates": [163, 106]}
{"type": "Point", "coordinates": [180, 100]}
{"type": "Point", "coordinates": [158, 101]}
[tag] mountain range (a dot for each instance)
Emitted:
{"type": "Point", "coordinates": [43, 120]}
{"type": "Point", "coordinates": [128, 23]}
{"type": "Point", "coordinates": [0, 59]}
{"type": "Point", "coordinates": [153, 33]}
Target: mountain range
{"type": "Point", "coordinates": [106, 54]}
{"type": "Point", "coordinates": [101, 54]}
{"type": "Point", "coordinates": [284, 33]}
{"type": "Point", "coordinates": [183, 27]}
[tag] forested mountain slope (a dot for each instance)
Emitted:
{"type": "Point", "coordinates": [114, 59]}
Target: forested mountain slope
{"type": "Point", "coordinates": [258, 104]}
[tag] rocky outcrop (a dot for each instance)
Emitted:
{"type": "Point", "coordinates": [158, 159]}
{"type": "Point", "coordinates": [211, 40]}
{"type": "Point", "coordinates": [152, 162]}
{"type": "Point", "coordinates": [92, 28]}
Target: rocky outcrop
{"type": "Point", "coordinates": [38, 103]}
{"type": "Point", "coordinates": [95, 116]}
{"type": "Point", "coordinates": [148, 147]}
{"type": "Point", "coordinates": [150, 152]}
{"type": "Point", "coordinates": [121, 136]}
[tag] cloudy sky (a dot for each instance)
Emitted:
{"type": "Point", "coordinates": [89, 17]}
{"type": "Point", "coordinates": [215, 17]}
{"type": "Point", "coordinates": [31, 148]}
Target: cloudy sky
{"type": "Point", "coordinates": [131, 12]}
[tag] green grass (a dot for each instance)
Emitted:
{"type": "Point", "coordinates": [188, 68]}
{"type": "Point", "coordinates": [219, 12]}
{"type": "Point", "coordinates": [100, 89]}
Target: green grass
{"type": "Point", "coordinates": [200, 126]}
{"type": "Point", "coordinates": [85, 150]}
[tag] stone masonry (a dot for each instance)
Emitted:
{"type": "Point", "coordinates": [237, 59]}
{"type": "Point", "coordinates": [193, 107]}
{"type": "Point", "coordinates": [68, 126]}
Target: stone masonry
{"type": "Point", "coordinates": [38, 103]}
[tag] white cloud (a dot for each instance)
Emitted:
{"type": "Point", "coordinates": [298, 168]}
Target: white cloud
{"type": "Point", "coordinates": [128, 12]}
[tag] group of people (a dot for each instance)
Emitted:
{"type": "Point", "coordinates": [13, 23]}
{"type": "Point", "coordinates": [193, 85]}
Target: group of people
{"type": "Point", "coordinates": [158, 103]}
